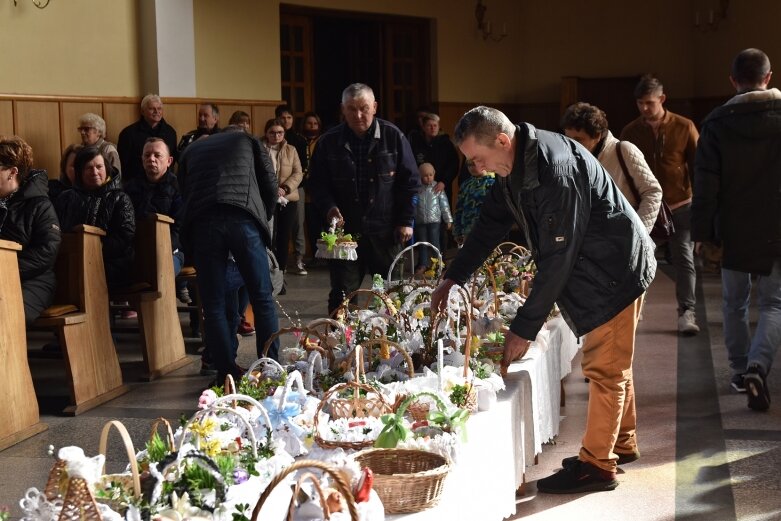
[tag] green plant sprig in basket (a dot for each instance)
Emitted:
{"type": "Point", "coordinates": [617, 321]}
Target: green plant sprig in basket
{"type": "Point", "coordinates": [395, 430]}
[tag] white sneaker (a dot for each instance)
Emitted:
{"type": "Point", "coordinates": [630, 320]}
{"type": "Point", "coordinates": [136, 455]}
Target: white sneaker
{"type": "Point", "coordinates": [687, 325]}
{"type": "Point", "coordinates": [300, 268]}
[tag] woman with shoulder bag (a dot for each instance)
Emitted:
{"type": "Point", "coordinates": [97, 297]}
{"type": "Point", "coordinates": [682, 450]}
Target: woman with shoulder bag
{"type": "Point", "coordinates": [587, 125]}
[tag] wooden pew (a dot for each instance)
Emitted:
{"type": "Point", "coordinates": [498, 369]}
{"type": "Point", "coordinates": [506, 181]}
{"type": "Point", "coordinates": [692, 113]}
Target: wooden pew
{"type": "Point", "coordinates": [81, 318]}
{"type": "Point", "coordinates": [158, 319]}
{"type": "Point", "coordinates": [195, 307]}
{"type": "Point", "coordinates": [19, 414]}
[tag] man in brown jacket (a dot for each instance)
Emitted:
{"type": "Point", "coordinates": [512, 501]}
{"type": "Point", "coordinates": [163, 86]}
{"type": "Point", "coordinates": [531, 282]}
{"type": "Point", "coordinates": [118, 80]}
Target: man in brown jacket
{"type": "Point", "coordinates": [668, 142]}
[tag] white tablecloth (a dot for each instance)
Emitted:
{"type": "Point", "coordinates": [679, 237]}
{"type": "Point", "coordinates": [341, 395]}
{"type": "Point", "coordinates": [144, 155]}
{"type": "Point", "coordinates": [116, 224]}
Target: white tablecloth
{"type": "Point", "coordinates": [504, 440]}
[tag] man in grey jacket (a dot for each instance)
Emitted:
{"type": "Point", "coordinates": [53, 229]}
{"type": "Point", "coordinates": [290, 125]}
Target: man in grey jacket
{"type": "Point", "coordinates": [737, 178]}
{"type": "Point", "coordinates": [229, 189]}
{"type": "Point", "coordinates": [594, 258]}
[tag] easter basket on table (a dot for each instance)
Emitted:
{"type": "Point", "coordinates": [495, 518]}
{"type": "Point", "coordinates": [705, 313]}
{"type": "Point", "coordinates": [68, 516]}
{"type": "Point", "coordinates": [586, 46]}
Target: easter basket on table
{"type": "Point", "coordinates": [332, 508]}
{"type": "Point", "coordinates": [354, 407]}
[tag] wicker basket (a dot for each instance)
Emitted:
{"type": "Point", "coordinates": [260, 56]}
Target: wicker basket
{"type": "Point", "coordinates": [129, 481]}
{"type": "Point", "coordinates": [406, 480]}
{"type": "Point", "coordinates": [345, 250]}
{"type": "Point", "coordinates": [339, 482]}
{"type": "Point", "coordinates": [357, 406]}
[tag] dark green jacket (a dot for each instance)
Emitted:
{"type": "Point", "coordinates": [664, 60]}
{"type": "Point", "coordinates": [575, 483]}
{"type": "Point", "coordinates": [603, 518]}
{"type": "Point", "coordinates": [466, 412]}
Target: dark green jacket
{"type": "Point", "coordinates": [593, 255]}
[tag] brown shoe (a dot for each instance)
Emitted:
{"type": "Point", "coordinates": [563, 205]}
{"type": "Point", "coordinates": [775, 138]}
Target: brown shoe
{"type": "Point", "coordinates": [246, 329]}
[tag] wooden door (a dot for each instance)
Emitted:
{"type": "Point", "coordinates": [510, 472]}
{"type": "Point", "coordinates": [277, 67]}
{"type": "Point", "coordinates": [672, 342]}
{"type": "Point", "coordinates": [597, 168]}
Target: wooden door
{"type": "Point", "coordinates": [295, 44]}
{"type": "Point", "coordinates": [406, 57]}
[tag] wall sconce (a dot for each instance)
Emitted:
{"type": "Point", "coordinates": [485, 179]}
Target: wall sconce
{"type": "Point", "coordinates": [40, 4]}
{"type": "Point", "coordinates": [709, 20]}
{"type": "Point", "coordinates": [484, 26]}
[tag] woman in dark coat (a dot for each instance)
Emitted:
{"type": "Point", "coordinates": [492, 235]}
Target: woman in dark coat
{"type": "Point", "coordinates": [97, 199]}
{"type": "Point", "coordinates": [28, 218]}
{"type": "Point", "coordinates": [67, 173]}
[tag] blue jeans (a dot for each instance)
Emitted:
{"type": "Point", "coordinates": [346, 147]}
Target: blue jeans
{"type": "Point", "coordinates": [426, 232]}
{"type": "Point", "coordinates": [213, 235]}
{"type": "Point", "coordinates": [742, 348]}
{"type": "Point", "coordinates": [682, 255]}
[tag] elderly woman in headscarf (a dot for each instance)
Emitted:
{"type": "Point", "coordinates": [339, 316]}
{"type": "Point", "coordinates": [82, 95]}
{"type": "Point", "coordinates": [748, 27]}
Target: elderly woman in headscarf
{"type": "Point", "coordinates": [28, 218]}
{"type": "Point", "coordinates": [92, 129]}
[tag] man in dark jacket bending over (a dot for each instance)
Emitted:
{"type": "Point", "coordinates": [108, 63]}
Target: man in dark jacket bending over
{"type": "Point", "coordinates": [594, 259]}
{"type": "Point", "coordinates": [229, 189]}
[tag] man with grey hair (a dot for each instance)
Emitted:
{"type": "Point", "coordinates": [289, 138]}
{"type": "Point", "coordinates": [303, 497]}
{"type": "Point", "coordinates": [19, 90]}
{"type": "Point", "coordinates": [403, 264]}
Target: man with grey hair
{"type": "Point", "coordinates": [133, 137]}
{"type": "Point", "coordinates": [594, 259]}
{"type": "Point", "coordinates": [363, 175]}
{"type": "Point", "coordinates": [737, 173]}
{"type": "Point", "coordinates": [208, 124]}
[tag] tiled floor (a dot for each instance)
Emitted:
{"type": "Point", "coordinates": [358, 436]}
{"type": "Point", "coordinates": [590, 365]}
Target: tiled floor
{"type": "Point", "coordinates": [705, 455]}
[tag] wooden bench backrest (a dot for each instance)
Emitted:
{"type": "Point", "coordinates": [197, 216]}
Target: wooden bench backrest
{"type": "Point", "coordinates": [154, 252]}
{"type": "Point", "coordinates": [79, 268]}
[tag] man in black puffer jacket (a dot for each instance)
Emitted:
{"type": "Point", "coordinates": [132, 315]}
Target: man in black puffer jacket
{"type": "Point", "coordinates": [28, 218]}
{"type": "Point", "coordinates": [737, 202]}
{"type": "Point", "coordinates": [157, 191]}
{"type": "Point", "coordinates": [594, 258]}
{"type": "Point", "coordinates": [230, 190]}
{"type": "Point", "coordinates": [97, 199]}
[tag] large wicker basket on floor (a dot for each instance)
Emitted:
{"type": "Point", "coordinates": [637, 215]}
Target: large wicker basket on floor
{"type": "Point", "coordinates": [406, 480]}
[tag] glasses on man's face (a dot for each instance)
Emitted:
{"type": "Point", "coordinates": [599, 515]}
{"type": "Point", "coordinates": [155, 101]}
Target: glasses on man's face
{"type": "Point", "coordinates": [85, 130]}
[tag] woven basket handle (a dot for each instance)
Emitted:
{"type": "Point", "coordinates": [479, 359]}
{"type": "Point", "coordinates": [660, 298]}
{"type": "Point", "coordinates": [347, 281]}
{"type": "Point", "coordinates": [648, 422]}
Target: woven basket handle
{"type": "Point", "coordinates": [230, 387]}
{"type": "Point", "coordinates": [356, 396]}
{"type": "Point", "coordinates": [292, 378]}
{"type": "Point", "coordinates": [384, 340]}
{"type": "Point", "coordinates": [414, 397]}
{"type": "Point", "coordinates": [315, 364]}
{"type": "Point", "coordinates": [411, 249]}
{"type": "Point", "coordinates": [216, 407]}
{"type": "Point", "coordinates": [316, 482]}
{"type": "Point", "coordinates": [129, 451]}
{"type": "Point", "coordinates": [362, 291]}
{"type": "Point", "coordinates": [339, 481]}
{"type": "Point", "coordinates": [169, 432]}
{"type": "Point", "coordinates": [265, 361]}
{"type": "Point", "coordinates": [444, 315]}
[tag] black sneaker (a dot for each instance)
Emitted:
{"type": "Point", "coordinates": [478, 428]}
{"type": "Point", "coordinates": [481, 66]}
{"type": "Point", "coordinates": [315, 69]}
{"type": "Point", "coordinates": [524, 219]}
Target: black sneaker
{"type": "Point", "coordinates": [737, 383]}
{"type": "Point", "coordinates": [576, 478]}
{"type": "Point", "coordinates": [208, 369]}
{"type": "Point", "coordinates": [756, 388]}
{"type": "Point", "coordinates": [623, 459]}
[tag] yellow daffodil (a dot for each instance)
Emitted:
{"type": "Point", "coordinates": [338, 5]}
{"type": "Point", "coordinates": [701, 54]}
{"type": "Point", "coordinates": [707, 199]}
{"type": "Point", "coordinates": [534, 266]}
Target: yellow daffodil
{"type": "Point", "coordinates": [204, 427]}
{"type": "Point", "coordinates": [211, 448]}
{"type": "Point", "coordinates": [419, 314]}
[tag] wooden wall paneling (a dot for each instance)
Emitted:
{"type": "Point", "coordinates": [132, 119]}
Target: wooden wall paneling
{"type": "Point", "coordinates": [36, 124]}
{"type": "Point", "coordinates": [182, 116]}
{"type": "Point", "coordinates": [450, 113]}
{"type": "Point", "coordinates": [7, 118]}
{"type": "Point", "coordinates": [542, 115]}
{"type": "Point", "coordinates": [261, 114]}
{"type": "Point", "coordinates": [226, 111]}
{"type": "Point", "coordinates": [70, 112]}
{"type": "Point", "coordinates": [118, 116]}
